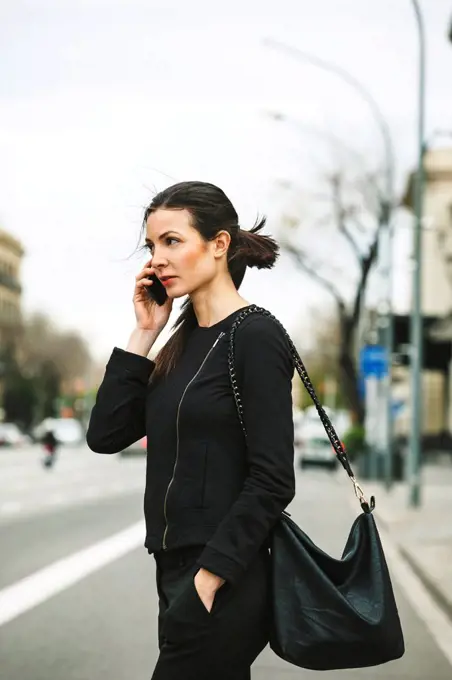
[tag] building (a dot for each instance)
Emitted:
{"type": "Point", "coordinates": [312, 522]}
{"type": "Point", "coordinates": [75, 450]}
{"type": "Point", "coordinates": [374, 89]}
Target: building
{"type": "Point", "coordinates": [436, 299]}
{"type": "Point", "coordinates": [11, 254]}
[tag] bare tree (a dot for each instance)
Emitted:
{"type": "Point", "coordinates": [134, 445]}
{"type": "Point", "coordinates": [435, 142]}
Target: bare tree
{"type": "Point", "coordinates": [320, 355]}
{"type": "Point", "coordinates": [43, 343]}
{"type": "Point", "coordinates": [337, 250]}
{"type": "Point", "coordinates": [43, 360]}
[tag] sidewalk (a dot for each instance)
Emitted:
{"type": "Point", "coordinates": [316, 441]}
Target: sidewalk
{"type": "Point", "coordinates": [423, 535]}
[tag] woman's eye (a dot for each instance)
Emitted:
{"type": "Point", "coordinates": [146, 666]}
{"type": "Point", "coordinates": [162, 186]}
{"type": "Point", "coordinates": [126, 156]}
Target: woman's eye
{"type": "Point", "coordinates": [168, 241]}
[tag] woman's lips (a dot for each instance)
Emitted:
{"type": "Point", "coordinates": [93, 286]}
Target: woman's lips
{"type": "Point", "coordinates": [166, 282]}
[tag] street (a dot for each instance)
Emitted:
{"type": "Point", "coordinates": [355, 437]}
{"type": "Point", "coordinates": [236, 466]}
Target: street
{"type": "Point", "coordinates": [96, 616]}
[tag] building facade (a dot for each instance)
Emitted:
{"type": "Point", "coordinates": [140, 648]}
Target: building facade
{"type": "Point", "coordinates": [11, 254]}
{"type": "Point", "coordinates": [436, 282]}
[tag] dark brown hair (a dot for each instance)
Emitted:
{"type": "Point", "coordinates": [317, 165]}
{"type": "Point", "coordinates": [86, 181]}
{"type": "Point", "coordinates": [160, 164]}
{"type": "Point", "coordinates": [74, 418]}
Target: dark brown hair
{"type": "Point", "coordinates": [211, 211]}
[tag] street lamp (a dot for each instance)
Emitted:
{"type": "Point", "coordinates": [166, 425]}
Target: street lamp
{"type": "Point", "coordinates": [279, 117]}
{"type": "Point", "coordinates": [386, 234]}
{"type": "Point", "coordinates": [416, 326]}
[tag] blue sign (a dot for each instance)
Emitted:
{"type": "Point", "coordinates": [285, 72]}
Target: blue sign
{"type": "Point", "coordinates": [397, 406]}
{"type": "Point", "coordinates": [373, 361]}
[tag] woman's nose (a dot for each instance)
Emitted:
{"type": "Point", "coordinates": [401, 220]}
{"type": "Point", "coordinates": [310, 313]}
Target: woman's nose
{"type": "Point", "coordinates": [158, 260]}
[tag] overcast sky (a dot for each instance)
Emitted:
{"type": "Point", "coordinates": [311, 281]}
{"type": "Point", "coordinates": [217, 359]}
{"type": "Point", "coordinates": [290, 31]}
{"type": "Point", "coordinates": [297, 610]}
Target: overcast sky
{"type": "Point", "coordinates": [104, 101]}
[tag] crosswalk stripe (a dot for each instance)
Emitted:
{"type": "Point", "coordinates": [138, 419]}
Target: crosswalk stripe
{"type": "Point", "coordinates": [53, 579]}
{"type": "Point", "coordinates": [78, 476]}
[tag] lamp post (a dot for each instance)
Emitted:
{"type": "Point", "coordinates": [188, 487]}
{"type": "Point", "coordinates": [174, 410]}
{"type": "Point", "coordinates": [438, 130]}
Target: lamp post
{"type": "Point", "coordinates": [416, 326]}
{"type": "Point", "coordinates": [386, 234]}
{"type": "Point", "coordinates": [334, 141]}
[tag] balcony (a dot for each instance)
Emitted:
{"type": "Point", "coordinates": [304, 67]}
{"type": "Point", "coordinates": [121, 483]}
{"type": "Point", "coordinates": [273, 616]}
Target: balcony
{"type": "Point", "coordinates": [8, 281]}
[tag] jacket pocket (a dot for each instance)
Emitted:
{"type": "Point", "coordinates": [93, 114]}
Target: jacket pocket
{"type": "Point", "coordinates": [192, 477]}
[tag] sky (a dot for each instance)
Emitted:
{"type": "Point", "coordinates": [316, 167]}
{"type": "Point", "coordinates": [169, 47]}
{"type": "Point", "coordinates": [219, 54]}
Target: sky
{"type": "Point", "coordinates": [103, 102]}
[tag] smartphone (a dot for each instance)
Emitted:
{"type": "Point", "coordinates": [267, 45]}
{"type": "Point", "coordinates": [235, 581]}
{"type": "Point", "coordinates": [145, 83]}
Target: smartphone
{"type": "Point", "coordinates": [157, 291]}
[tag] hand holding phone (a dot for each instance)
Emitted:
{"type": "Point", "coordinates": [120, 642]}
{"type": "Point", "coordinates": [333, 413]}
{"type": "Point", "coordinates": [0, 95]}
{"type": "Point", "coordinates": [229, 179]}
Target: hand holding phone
{"type": "Point", "coordinates": [157, 291]}
{"type": "Point", "coordinates": [151, 301]}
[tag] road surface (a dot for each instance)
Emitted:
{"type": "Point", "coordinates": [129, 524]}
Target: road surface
{"type": "Point", "coordinates": [77, 593]}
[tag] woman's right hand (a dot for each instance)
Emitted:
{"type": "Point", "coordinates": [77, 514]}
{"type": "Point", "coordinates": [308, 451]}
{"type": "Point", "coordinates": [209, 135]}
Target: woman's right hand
{"type": "Point", "coordinates": [149, 315]}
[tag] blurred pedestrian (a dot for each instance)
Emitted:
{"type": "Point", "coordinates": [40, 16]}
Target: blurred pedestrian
{"type": "Point", "coordinates": [50, 444]}
{"type": "Point", "coordinates": [211, 496]}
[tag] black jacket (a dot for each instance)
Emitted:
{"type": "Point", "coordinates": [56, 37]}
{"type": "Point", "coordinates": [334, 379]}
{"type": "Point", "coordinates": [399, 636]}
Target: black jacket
{"type": "Point", "coordinates": [204, 485]}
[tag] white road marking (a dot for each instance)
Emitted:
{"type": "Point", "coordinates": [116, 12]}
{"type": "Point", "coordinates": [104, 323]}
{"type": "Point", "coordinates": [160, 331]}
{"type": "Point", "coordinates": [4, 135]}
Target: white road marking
{"type": "Point", "coordinates": [53, 579]}
{"type": "Point", "coordinates": [10, 507]}
{"type": "Point", "coordinates": [18, 486]}
{"type": "Point", "coordinates": [27, 488]}
{"type": "Point", "coordinates": [55, 499]}
{"type": "Point", "coordinates": [91, 491]}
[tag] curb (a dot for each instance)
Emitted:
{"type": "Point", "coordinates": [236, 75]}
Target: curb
{"type": "Point", "coordinates": [435, 591]}
{"type": "Point", "coordinates": [442, 600]}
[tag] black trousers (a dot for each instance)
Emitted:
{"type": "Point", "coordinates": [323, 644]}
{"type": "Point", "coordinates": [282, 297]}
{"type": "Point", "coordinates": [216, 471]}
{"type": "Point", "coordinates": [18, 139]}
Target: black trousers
{"type": "Point", "coordinates": [221, 645]}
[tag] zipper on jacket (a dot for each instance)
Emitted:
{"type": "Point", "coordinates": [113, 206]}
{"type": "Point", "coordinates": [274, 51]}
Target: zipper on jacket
{"type": "Point", "coordinates": [164, 546]}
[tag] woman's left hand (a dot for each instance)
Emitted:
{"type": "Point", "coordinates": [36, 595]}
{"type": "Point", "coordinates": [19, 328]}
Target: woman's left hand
{"type": "Point", "coordinates": [206, 585]}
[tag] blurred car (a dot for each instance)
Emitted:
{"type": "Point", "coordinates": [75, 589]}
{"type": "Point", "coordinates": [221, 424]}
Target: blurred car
{"type": "Point", "coordinates": [68, 431]}
{"type": "Point", "coordinates": [138, 448]}
{"type": "Point", "coordinates": [298, 417]}
{"type": "Point", "coordinates": [316, 449]}
{"type": "Point", "coordinates": [314, 446]}
{"type": "Point", "coordinates": [11, 435]}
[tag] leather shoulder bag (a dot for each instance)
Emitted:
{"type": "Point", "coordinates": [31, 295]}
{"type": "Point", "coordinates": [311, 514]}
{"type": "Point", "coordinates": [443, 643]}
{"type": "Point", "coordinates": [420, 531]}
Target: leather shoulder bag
{"type": "Point", "coordinates": [328, 613]}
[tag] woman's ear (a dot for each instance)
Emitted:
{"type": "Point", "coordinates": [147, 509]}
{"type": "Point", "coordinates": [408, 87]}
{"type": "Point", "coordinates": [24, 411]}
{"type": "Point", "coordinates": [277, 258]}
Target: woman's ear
{"type": "Point", "coordinates": [221, 243]}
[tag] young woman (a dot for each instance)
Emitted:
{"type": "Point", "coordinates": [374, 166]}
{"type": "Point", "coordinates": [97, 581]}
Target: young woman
{"type": "Point", "coordinates": [211, 496]}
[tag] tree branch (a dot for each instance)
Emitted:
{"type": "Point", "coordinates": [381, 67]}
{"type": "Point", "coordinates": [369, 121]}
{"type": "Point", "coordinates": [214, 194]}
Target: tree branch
{"type": "Point", "coordinates": [366, 266]}
{"type": "Point", "coordinates": [340, 214]}
{"type": "Point", "coordinates": [309, 269]}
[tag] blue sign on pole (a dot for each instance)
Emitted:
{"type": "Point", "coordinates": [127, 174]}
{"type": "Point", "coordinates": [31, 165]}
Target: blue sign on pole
{"type": "Point", "coordinates": [373, 361]}
{"type": "Point", "coordinates": [397, 406]}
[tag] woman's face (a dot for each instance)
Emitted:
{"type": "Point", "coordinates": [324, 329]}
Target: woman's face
{"type": "Point", "coordinates": [178, 251]}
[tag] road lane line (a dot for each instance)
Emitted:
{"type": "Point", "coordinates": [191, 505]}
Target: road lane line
{"type": "Point", "coordinates": [53, 579]}
{"type": "Point", "coordinates": [10, 506]}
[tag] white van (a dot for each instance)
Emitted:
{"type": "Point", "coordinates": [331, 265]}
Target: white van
{"type": "Point", "coordinates": [314, 446]}
{"type": "Point", "coordinates": [66, 430]}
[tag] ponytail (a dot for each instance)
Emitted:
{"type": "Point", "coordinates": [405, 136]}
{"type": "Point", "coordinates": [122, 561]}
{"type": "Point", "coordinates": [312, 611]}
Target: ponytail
{"type": "Point", "coordinates": [251, 249]}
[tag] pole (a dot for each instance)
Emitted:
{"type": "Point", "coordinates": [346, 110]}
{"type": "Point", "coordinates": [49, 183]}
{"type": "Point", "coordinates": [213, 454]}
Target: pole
{"type": "Point", "coordinates": [386, 231]}
{"type": "Point", "coordinates": [387, 339]}
{"type": "Point", "coordinates": [416, 330]}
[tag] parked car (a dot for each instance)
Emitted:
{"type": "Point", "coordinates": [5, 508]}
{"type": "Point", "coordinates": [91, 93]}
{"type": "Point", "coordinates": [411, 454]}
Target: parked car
{"type": "Point", "coordinates": [315, 448]}
{"type": "Point", "coordinates": [138, 448]}
{"type": "Point", "coordinates": [313, 444]}
{"type": "Point", "coordinates": [298, 417]}
{"type": "Point", "coordinates": [11, 435]}
{"type": "Point", "coordinates": [68, 431]}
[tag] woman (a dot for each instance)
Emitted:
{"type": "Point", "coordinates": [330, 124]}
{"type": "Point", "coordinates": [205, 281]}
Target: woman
{"type": "Point", "coordinates": [210, 499]}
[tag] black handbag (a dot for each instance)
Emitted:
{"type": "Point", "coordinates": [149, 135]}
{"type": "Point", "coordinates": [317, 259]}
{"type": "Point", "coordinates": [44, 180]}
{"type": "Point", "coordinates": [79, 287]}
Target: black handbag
{"type": "Point", "coordinates": [328, 613]}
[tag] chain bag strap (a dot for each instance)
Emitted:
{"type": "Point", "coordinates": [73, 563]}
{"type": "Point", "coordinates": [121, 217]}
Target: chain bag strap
{"type": "Point", "coordinates": [332, 435]}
